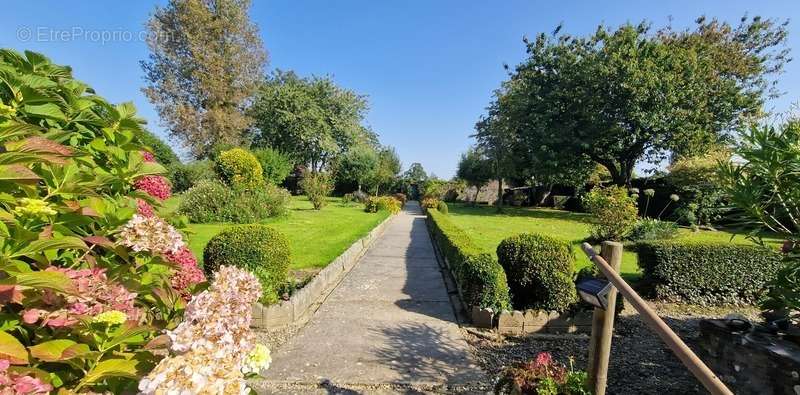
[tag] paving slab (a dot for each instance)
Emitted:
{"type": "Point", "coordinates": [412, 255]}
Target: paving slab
{"type": "Point", "coordinates": [389, 323]}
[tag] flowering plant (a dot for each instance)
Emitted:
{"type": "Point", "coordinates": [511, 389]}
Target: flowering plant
{"type": "Point", "coordinates": [89, 275]}
{"type": "Point", "coordinates": [213, 349]}
{"type": "Point", "coordinates": [543, 376]}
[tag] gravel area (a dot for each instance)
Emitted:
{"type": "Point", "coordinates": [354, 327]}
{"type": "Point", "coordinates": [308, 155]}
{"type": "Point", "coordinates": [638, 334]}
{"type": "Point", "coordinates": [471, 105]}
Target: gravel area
{"type": "Point", "coordinates": [640, 363]}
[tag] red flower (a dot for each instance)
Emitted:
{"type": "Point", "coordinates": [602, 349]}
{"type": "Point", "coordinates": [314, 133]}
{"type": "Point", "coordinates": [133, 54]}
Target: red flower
{"type": "Point", "coordinates": [544, 359]}
{"type": "Point", "coordinates": [155, 186]}
{"type": "Point", "coordinates": [188, 274]}
{"type": "Point", "coordinates": [144, 209]}
{"type": "Point", "coordinates": [148, 156]}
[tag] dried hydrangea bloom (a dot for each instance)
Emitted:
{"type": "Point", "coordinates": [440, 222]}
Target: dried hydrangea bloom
{"type": "Point", "coordinates": [151, 234]}
{"type": "Point", "coordinates": [155, 186]}
{"type": "Point", "coordinates": [213, 342]}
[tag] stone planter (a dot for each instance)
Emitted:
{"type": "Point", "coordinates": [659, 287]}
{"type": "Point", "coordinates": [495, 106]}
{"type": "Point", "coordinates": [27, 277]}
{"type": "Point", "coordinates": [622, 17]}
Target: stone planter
{"type": "Point", "coordinates": [754, 361]}
{"type": "Point", "coordinates": [299, 308]}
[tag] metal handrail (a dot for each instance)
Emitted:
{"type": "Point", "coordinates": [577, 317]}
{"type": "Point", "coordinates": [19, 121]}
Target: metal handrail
{"type": "Point", "coordinates": [689, 359]}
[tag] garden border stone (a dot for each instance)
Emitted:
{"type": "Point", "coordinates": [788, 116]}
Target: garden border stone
{"type": "Point", "coordinates": [302, 305]}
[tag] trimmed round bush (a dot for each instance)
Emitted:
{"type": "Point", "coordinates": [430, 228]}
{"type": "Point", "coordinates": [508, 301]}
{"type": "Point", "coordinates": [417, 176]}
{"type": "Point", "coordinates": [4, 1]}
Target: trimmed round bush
{"type": "Point", "coordinates": [258, 249]}
{"type": "Point", "coordinates": [539, 270]}
{"type": "Point", "coordinates": [382, 203]}
{"type": "Point", "coordinates": [239, 168]}
{"type": "Point", "coordinates": [442, 207]}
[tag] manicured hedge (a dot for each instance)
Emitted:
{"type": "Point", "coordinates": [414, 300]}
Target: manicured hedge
{"type": "Point", "coordinates": [238, 167]}
{"type": "Point", "coordinates": [259, 249]}
{"type": "Point", "coordinates": [708, 273]}
{"type": "Point", "coordinates": [540, 270]}
{"type": "Point", "coordinates": [213, 201]}
{"type": "Point", "coordinates": [442, 207]}
{"type": "Point", "coordinates": [481, 279]}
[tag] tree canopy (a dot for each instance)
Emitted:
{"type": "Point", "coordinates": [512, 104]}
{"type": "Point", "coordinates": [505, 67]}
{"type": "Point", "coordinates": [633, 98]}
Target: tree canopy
{"type": "Point", "coordinates": [311, 119]}
{"type": "Point", "coordinates": [620, 96]}
{"type": "Point", "coordinates": [206, 59]}
{"type": "Point", "coordinates": [475, 169]}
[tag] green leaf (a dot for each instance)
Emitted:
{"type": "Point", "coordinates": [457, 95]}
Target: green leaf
{"type": "Point", "coordinates": [58, 350]}
{"type": "Point", "coordinates": [128, 335]}
{"type": "Point", "coordinates": [111, 368]}
{"type": "Point", "coordinates": [56, 281]}
{"type": "Point", "coordinates": [12, 350]}
{"type": "Point", "coordinates": [67, 242]}
{"type": "Point", "coordinates": [48, 110]}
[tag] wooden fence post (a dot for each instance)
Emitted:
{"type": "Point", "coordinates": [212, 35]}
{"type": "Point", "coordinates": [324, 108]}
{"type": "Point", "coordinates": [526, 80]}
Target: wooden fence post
{"type": "Point", "coordinates": [603, 325]}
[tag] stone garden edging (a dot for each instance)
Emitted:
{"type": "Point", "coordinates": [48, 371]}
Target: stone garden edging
{"type": "Point", "coordinates": [303, 303]}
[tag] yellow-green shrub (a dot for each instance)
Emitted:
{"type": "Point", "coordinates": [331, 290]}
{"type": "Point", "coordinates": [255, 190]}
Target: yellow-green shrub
{"type": "Point", "coordinates": [382, 203]}
{"type": "Point", "coordinates": [614, 212]}
{"type": "Point", "coordinates": [239, 168]}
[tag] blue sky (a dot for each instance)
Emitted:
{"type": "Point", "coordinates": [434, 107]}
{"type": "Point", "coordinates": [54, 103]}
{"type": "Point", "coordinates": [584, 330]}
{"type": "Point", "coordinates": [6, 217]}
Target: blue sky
{"type": "Point", "coordinates": [428, 67]}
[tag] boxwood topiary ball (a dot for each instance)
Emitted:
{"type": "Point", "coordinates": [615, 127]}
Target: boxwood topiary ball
{"type": "Point", "coordinates": [259, 249]}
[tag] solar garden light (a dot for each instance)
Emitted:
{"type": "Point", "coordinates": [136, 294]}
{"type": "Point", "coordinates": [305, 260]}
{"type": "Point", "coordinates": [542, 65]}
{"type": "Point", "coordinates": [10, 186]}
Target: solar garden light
{"type": "Point", "coordinates": [595, 292]}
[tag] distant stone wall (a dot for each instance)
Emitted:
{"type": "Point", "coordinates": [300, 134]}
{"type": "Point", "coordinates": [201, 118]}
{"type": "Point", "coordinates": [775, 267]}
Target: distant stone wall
{"type": "Point", "coordinates": [307, 300]}
{"type": "Point", "coordinates": [487, 193]}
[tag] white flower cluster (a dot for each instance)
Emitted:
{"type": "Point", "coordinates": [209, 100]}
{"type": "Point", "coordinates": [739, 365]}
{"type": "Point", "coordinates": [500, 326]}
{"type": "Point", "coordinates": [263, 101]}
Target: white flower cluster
{"type": "Point", "coordinates": [214, 344]}
{"type": "Point", "coordinates": [151, 234]}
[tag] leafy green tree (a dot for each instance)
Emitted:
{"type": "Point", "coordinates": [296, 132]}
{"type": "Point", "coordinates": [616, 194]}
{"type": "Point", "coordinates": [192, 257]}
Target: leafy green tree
{"type": "Point", "coordinates": [475, 169]}
{"type": "Point", "coordinates": [416, 173]}
{"type": "Point", "coordinates": [206, 59]}
{"type": "Point", "coordinates": [276, 165]}
{"type": "Point", "coordinates": [621, 96]}
{"type": "Point", "coordinates": [311, 119]}
{"type": "Point", "coordinates": [357, 165]}
{"type": "Point", "coordinates": [496, 138]}
{"type": "Point", "coordinates": [386, 170]}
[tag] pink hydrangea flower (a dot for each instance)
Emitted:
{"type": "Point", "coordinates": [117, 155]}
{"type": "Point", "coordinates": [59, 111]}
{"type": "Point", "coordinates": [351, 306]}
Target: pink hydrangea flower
{"type": "Point", "coordinates": [12, 383]}
{"type": "Point", "coordinates": [144, 209]}
{"type": "Point", "coordinates": [155, 186]}
{"type": "Point", "coordinates": [148, 156]}
{"type": "Point", "coordinates": [188, 273]}
{"type": "Point", "coordinates": [95, 294]}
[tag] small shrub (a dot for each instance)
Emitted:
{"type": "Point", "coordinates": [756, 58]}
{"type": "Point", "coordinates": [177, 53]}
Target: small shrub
{"type": "Point", "coordinates": [275, 165]}
{"type": "Point", "coordinates": [401, 197]}
{"type": "Point", "coordinates": [614, 212]}
{"type": "Point", "coordinates": [480, 278]}
{"type": "Point", "coordinates": [347, 199]}
{"type": "Point", "coordinates": [186, 175]}
{"type": "Point", "coordinates": [442, 207]}
{"type": "Point", "coordinates": [258, 249]}
{"type": "Point", "coordinates": [239, 168]}
{"type": "Point", "coordinates": [382, 203]}
{"type": "Point", "coordinates": [213, 201]}
{"type": "Point", "coordinates": [429, 202]}
{"type": "Point", "coordinates": [540, 271]}
{"type": "Point", "coordinates": [710, 273]}
{"type": "Point", "coordinates": [652, 229]}
{"type": "Point", "coordinates": [317, 186]}
{"type": "Point", "coordinates": [543, 376]}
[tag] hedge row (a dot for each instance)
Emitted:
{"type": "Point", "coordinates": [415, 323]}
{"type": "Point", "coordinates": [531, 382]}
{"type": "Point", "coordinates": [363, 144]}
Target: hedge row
{"type": "Point", "coordinates": [481, 279]}
{"type": "Point", "coordinates": [707, 273]}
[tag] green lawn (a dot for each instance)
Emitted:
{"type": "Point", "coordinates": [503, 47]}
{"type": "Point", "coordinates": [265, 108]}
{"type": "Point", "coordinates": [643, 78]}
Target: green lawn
{"type": "Point", "coordinates": [488, 228]}
{"type": "Point", "coordinates": [315, 237]}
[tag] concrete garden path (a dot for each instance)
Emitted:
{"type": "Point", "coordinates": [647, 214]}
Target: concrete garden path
{"type": "Point", "coordinates": [388, 324]}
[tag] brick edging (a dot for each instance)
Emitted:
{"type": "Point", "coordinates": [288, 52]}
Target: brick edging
{"type": "Point", "coordinates": [303, 303]}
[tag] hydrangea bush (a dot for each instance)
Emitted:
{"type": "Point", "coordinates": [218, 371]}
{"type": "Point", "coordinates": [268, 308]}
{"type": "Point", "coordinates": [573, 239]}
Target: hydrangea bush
{"type": "Point", "coordinates": [90, 276]}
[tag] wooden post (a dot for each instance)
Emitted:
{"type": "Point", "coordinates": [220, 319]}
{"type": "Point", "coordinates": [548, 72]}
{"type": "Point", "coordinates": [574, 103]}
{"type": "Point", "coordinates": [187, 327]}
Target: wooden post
{"type": "Point", "coordinates": [603, 325]}
{"type": "Point", "coordinates": [695, 365]}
